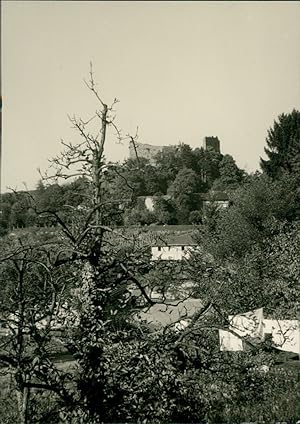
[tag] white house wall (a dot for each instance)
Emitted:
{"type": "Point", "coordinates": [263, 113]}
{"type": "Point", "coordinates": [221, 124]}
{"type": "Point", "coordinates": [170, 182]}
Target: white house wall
{"type": "Point", "coordinates": [175, 253]}
{"type": "Point", "coordinates": [149, 203]}
{"type": "Point", "coordinates": [285, 334]}
{"type": "Point", "coordinates": [230, 342]}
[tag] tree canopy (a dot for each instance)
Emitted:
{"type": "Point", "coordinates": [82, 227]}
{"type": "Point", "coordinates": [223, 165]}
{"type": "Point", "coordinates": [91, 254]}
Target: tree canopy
{"type": "Point", "coordinates": [283, 145]}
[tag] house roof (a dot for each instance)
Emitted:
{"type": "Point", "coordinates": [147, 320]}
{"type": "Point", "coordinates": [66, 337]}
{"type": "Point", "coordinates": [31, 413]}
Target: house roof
{"type": "Point", "coordinates": [154, 197]}
{"type": "Point", "coordinates": [175, 240]}
{"type": "Point", "coordinates": [213, 196]}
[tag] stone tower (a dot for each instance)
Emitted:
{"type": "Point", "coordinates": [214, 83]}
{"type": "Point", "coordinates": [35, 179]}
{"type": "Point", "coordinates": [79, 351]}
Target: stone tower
{"type": "Point", "coordinates": [212, 143]}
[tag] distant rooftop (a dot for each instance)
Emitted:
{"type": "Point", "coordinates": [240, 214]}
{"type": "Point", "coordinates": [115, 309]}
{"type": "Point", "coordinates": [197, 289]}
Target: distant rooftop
{"type": "Point", "coordinates": [213, 195]}
{"type": "Point", "coordinates": [176, 240]}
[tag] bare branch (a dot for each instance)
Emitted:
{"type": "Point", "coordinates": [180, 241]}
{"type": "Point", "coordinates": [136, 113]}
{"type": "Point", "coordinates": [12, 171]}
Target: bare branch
{"type": "Point", "coordinates": [91, 85]}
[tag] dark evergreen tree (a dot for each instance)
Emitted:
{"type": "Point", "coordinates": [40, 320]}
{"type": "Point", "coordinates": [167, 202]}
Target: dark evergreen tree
{"type": "Point", "coordinates": [283, 146]}
{"type": "Point", "coordinates": [165, 211]}
{"type": "Point", "coordinates": [181, 190]}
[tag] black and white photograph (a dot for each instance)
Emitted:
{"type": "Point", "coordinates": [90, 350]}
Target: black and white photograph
{"type": "Point", "coordinates": [150, 212]}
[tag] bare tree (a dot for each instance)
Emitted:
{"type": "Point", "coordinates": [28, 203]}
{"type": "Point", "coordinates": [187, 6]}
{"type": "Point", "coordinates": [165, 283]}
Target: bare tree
{"type": "Point", "coordinates": [32, 293]}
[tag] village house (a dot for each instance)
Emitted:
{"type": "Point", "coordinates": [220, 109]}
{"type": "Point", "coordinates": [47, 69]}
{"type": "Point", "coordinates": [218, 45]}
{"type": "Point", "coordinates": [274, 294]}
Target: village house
{"type": "Point", "coordinates": [173, 247]}
{"type": "Point", "coordinates": [218, 199]}
{"type": "Point", "coordinates": [149, 201]}
{"type": "Point", "coordinates": [283, 334]}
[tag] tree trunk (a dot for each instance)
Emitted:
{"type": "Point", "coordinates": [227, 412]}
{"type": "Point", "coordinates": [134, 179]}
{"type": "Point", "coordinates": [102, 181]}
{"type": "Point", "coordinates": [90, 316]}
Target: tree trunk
{"type": "Point", "coordinates": [23, 403]}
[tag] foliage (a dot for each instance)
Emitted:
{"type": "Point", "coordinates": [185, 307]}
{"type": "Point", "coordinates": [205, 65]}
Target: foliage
{"type": "Point", "coordinates": [8, 411]}
{"type": "Point", "coordinates": [21, 212]}
{"type": "Point", "coordinates": [196, 217]}
{"type": "Point", "coordinates": [230, 175]}
{"type": "Point", "coordinates": [165, 211]}
{"type": "Point", "coordinates": [123, 184]}
{"type": "Point", "coordinates": [158, 379]}
{"type": "Point", "coordinates": [4, 218]}
{"type": "Point", "coordinates": [283, 146]}
{"type": "Point", "coordinates": [31, 296]}
{"type": "Point", "coordinates": [255, 210]}
{"type": "Point", "coordinates": [139, 215]}
{"type": "Point", "coordinates": [266, 277]}
{"type": "Point", "coordinates": [181, 190]}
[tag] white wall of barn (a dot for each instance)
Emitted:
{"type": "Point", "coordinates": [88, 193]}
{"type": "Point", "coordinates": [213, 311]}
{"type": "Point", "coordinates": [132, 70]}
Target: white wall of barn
{"type": "Point", "coordinates": [175, 253]}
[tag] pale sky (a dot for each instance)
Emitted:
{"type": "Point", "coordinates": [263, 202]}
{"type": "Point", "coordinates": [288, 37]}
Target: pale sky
{"type": "Point", "coordinates": [181, 70]}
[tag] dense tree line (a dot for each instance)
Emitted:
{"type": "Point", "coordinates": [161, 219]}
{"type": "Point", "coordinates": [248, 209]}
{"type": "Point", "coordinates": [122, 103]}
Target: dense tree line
{"type": "Point", "coordinates": [20, 209]}
{"type": "Point", "coordinates": [283, 147]}
{"type": "Point", "coordinates": [176, 177]}
{"type": "Point", "coordinates": [180, 173]}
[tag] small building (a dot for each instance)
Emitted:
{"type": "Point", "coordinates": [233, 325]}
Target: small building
{"type": "Point", "coordinates": [283, 334]}
{"type": "Point", "coordinates": [173, 247]}
{"type": "Point", "coordinates": [148, 202]}
{"type": "Point", "coordinates": [219, 199]}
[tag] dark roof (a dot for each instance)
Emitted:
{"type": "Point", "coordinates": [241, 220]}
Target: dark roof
{"type": "Point", "coordinates": [163, 196]}
{"type": "Point", "coordinates": [213, 196]}
{"type": "Point", "coordinates": [175, 240]}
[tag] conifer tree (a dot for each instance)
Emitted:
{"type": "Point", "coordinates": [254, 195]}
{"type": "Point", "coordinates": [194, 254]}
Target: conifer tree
{"type": "Point", "coordinates": [283, 145]}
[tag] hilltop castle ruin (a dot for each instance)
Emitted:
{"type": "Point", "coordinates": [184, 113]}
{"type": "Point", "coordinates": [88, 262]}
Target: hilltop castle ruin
{"type": "Point", "coordinates": [149, 151]}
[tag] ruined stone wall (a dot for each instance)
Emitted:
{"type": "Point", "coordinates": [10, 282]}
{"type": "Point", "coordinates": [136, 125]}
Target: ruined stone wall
{"type": "Point", "coordinates": [147, 151]}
